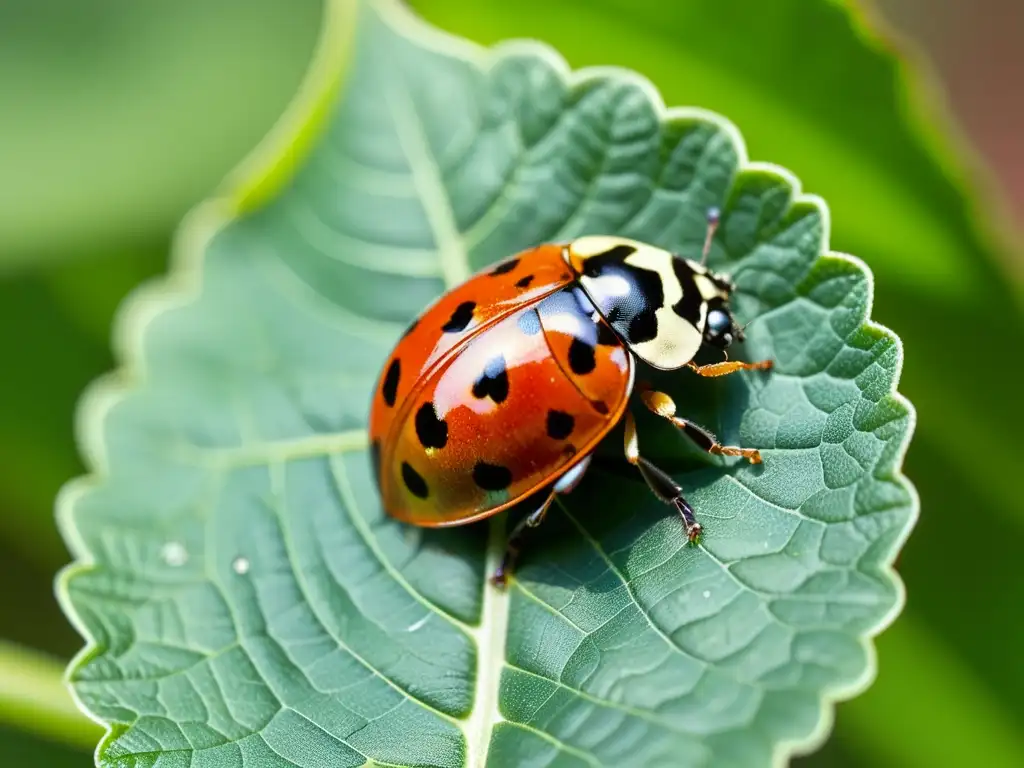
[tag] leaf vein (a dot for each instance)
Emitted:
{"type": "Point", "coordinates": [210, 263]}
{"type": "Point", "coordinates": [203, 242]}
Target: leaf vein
{"type": "Point", "coordinates": [282, 451]}
{"type": "Point", "coordinates": [603, 702]}
{"type": "Point", "coordinates": [348, 502]}
{"type": "Point", "coordinates": [583, 755]}
{"type": "Point", "coordinates": [334, 244]}
{"type": "Point", "coordinates": [300, 581]}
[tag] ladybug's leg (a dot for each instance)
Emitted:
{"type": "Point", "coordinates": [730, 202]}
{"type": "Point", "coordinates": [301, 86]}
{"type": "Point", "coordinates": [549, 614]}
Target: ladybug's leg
{"type": "Point", "coordinates": [515, 541]}
{"type": "Point", "coordinates": [659, 481]}
{"type": "Point", "coordinates": [730, 366]}
{"type": "Point", "coordinates": [664, 406]}
{"type": "Point", "coordinates": [565, 484]}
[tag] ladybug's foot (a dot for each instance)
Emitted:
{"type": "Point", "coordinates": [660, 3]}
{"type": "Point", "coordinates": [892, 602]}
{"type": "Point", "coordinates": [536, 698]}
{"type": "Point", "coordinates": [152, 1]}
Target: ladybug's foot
{"type": "Point", "coordinates": [693, 528]}
{"type": "Point", "coordinates": [500, 576]}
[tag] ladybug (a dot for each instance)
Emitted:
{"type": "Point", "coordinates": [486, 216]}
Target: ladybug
{"type": "Point", "coordinates": [504, 386]}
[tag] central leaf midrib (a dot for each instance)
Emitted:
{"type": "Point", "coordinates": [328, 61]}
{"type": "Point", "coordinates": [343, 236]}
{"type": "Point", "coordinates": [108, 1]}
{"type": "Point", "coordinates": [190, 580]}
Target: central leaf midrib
{"type": "Point", "coordinates": [490, 635]}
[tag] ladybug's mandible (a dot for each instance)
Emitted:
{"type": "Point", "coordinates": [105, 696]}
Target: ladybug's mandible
{"type": "Point", "coordinates": [504, 386]}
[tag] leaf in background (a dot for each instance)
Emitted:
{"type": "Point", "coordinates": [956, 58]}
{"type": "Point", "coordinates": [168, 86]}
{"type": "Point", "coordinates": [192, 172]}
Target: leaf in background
{"type": "Point", "coordinates": [102, 153]}
{"type": "Point", "coordinates": [22, 749]}
{"type": "Point", "coordinates": [118, 116]}
{"type": "Point", "coordinates": [246, 599]}
{"type": "Point", "coordinates": [895, 723]}
{"type": "Point", "coordinates": [47, 358]}
{"type": "Point", "coordinates": [54, 326]}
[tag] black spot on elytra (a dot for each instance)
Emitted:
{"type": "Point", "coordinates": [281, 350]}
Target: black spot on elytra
{"type": "Point", "coordinates": [606, 336]}
{"type": "Point", "coordinates": [688, 306]}
{"type": "Point", "coordinates": [461, 317]}
{"type": "Point", "coordinates": [493, 382]}
{"type": "Point", "coordinates": [529, 322]}
{"type": "Point", "coordinates": [390, 387]}
{"type": "Point", "coordinates": [503, 269]}
{"type": "Point", "coordinates": [524, 282]}
{"type": "Point", "coordinates": [375, 459]}
{"type": "Point", "coordinates": [414, 481]}
{"type": "Point", "coordinates": [643, 327]}
{"type": "Point", "coordinates": [431, 431]}
{"type": "Point", "coordinates": [492, 477]}
{"type": "Point", "coordinates": [581, 357]}
{"type": "Point", "coordinates": [600, 406]}
{"type": "Point", "coordinates": [560, 424]}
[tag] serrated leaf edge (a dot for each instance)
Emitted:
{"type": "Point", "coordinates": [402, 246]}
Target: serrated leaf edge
{"type": "Point", "coordinates": [253, 183]}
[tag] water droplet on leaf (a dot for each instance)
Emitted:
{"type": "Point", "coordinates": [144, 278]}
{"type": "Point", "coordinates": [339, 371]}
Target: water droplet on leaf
{"type": "Point", "coordinates": [174, 553]}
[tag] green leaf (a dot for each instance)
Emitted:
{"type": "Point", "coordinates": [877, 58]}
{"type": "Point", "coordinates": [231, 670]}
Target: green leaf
{"type": "Point", "coordinates": [246, 600]}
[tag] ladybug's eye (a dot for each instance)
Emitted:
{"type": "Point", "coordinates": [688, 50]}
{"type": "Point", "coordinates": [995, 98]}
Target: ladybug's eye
{"type": "Point", "coordinates": [718, 322]}
{"type": "Point", "coordinates": [718, 328]}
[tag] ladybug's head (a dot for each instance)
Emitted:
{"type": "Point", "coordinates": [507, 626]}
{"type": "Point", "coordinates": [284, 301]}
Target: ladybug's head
{"type": "Point", "coordinates": [720, 327]}
{"type": "Point", "coordinates": [664, 307]}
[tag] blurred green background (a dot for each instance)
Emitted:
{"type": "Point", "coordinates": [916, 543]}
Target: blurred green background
{"type": "Point", "coordinates": [117, 117]}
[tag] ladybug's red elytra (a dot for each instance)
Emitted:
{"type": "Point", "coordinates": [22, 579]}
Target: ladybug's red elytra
{"type": "Point", "coordinates": [505, 385]}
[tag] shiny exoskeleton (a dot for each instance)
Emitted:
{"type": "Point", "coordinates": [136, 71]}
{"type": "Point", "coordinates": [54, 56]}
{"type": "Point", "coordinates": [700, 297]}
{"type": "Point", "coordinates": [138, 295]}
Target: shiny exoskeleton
{"type": "Point", "coordinates": [506, 384]}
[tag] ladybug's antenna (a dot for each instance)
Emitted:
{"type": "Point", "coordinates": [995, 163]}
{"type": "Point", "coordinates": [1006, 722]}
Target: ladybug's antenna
{"type": "Point", "coordinates": [748, 323]}
{"type": "Point", "coordinates": [742, 330]}
{"type": "Point", "coordinates": [714, 215]}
